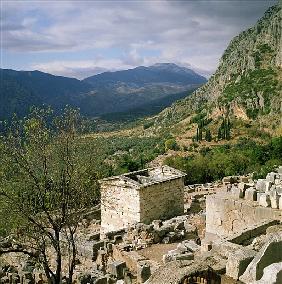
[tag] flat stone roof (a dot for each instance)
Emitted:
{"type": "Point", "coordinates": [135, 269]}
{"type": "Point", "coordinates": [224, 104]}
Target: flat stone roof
{"type": "Point", "coordinates": [146, 177]}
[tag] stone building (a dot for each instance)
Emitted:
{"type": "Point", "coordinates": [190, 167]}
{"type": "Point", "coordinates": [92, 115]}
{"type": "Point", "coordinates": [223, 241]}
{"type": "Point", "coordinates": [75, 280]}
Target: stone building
{"type": "Point", "coordinates": [141, 196]}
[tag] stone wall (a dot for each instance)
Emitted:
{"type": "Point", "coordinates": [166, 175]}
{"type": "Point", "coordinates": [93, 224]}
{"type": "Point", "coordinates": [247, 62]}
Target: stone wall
{"type": "Point", "coordinates": [123, 203]}
{"type": "Point", "coordinates": [120, 206]}
{"type": "Point", "coordinates": [162, 200]}
{"type": "Point", "coordinates": [226, 215]}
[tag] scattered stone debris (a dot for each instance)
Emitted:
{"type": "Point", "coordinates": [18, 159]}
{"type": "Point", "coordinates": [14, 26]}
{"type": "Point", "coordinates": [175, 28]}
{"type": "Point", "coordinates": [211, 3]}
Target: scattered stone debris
{"type": "Point", "coordinates": [227, 232]}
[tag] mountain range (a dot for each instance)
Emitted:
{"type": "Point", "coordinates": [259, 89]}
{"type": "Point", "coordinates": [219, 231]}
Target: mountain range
{"type": "Point", "coordinates": [109, 92]}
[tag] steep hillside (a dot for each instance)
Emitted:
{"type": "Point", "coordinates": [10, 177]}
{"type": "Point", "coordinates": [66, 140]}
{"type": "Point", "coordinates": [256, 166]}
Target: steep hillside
{"type": "Point", "coordinates": [246, 86]}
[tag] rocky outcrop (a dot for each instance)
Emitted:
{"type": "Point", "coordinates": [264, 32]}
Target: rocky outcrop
{"type": "Point", "coordinates": [269, 254]}
{"type": "Point", "coordinates": [246, 83]}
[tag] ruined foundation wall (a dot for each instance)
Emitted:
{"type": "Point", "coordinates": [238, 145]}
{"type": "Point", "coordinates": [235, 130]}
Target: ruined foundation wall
{"type": "Point", "coordinates": [226, 216]}
{"type": "Point", "coordinates": [119, 207]}
{"type": "Point", "coordinates": [162, 200]}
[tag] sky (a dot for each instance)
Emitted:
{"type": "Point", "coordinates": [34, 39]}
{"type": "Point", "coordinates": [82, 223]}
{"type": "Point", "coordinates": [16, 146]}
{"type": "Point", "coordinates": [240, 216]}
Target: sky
{"type": "Point", "coordinates": [82, 38]}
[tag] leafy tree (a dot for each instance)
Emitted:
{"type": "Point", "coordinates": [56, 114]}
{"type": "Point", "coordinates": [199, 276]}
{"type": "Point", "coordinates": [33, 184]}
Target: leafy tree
{"type": "Point", "coordinates": [129, 165]}
{"type": "Point", "coordinates": [45, 189]}
{"type": "Point", "coordinates": [244, 157]}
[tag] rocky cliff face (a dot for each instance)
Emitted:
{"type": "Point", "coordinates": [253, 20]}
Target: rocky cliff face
{"type": "Point", "coordinates": [247, 83]}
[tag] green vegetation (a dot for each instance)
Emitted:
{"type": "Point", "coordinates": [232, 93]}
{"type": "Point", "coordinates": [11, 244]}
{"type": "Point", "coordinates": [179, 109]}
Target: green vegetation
{"type": "Point", "coordinates": [44, 189]}
{"type": "Point", "coordinates": [208, 136]}
{"type": "Point", "coordinates": [259, 81]}
{"type": "Point", "coordinates": [202, 122]}
{"type": "Point", "coordinates": [244, 157]}
{"type": "Point", "coordinates": [171, 144]}
{"type": "Point", "coordinates": [260, 55]}
{"type": "Point", "coordinates": [119, 154]}
{"type": "Point", "coordinates": [224, 130]}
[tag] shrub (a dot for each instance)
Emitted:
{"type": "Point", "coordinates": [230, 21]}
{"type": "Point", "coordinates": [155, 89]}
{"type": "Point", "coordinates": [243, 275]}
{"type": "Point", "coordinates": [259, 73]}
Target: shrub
{"type": "Point", "coordinates": [171, 144]}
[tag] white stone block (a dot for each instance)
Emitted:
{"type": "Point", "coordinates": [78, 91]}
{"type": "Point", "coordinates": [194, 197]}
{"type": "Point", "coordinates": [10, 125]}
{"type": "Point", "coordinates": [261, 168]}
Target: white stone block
{"type": "Point", "coordinates": [274, 200]}
{"type": "Point", "coordinates": [268, 185]}
{"type": "Point", "coordinates": [260, 185]}
{"type": "Point", "coordinates": [237, 192]}
{"type": "Point", "coordinates": [278, 189]}
{"type": "Point", "coordinates": [280, 202]}
{"type": "Point", "coordinates": [251, 194]}
{"type": "Point", "coordinates": [237, 262]}
{"type": "Point", "coordinates": [264, 200]}
{"type": "Point", "coordinates": [271, 177]}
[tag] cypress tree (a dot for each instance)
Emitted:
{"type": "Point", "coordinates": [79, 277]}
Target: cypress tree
{"type": "Point", "coordinates": [208, 136]}
{"type": "Point", "coordinates": [200, 134]}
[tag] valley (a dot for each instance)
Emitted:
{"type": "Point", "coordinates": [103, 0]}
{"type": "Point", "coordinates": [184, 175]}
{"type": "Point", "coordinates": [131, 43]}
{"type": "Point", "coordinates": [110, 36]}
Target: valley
{"type": "Point", "coordinates": [151, 174]}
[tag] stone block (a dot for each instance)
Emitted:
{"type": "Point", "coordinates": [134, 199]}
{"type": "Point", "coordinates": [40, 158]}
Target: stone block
{"type": "Point", "coordinates": [181, 248]}
{"type": "Point", "coordinates": [206, 246]}
{"type": "Point", "coordinates": [271, 177]}
{"type": "Point", "coordinates": [251, 194]}
{"type": "Point", "coordinates": [143, 271]}
{"type": "Point", "coordinates": [278, 189]}
{"type": "Point", "coordinates": [260, 185]}
{"type": "Point", "coordinates": [230, 179]}
{"type": "Point", "coordinates": [117, 268]}
{"type": "Point", "coordinates": [185, 256]}
{"type": "Point", "coordinates": [157, 224]}
{"type": "Point", "coordinates": [179, 225]}
{"type": "Point", "coordinates": [237, 262]}
{"type": "Point", "coordinates": [244, 179]}
{"type": "Point", "coordinates": [242, 185]}
{"type": "Point", "coordinates": [189, 228]}
{"type": "Point", "coordinates": [270, 253]}
{"type": "Point", "coordinates": [274, 200]}
{"type": "Point", "coordinates": [272, 274]}
{"type": "Point", "coordinates": [96, 247]}
{"type": "Point", "coordinates": [280, 203]}
{"type": "Point", "coordinates": [170, 256]}
{"type": "Point", "coordinates": [237, 192]}
{"type": "Point", "coordinates": [264, 200]}
{"type": "Point", "coordinates": [279, 170]}
{"type": "Point", "coordinates": [190, 245]}
{"type": "Point", "coordinates": [268, 185]}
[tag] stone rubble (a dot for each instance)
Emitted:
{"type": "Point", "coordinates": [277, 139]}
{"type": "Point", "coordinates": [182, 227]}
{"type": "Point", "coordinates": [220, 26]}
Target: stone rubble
{"type": "Point", "coordinates": [199, 248]}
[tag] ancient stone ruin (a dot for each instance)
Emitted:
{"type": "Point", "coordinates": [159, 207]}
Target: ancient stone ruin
{"type": "Point", "coordinates": [141, 196]}
{"type": "Point", "coordinates": [227, 232]}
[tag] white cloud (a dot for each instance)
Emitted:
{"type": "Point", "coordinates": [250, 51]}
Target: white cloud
{"type": "Point", "coordinates": [137, 32]}
{"type": "Point", "coordinates": [80, 68]}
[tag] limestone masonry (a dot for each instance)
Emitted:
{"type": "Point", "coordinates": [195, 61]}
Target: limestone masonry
{"type": "Point", "coordinates": [156, 231]}
{"type": "Point", "coordinates": [141, 196]}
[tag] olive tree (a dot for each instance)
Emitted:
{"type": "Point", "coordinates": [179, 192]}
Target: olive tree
{"type": "Point", "coordinates": [45, 187]}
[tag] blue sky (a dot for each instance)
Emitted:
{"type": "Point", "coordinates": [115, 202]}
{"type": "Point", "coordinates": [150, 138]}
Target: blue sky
{"type": "Point", "coordinates": [83, 38]}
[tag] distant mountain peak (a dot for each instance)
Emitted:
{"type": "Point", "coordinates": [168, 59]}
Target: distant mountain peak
{"type": "Point", "coordinates": [172, 67]}
{"type": "Point", "coordinates": [163, 64]}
